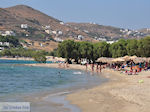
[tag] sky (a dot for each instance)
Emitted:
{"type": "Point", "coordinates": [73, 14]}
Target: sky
{"type": "Point", "coordinates": [132, 14]}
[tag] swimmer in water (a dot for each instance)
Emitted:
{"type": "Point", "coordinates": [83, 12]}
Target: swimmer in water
{"type": "Point", "coordinates": [59, 74]}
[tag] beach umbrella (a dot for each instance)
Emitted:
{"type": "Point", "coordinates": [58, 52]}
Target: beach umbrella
{"type": "Point", "coordinates": [133, 57]}
{"type": "Point", "coordinates": [126, 58]}
{"type": "Point", "coordinates": [138, 60]}
{"type": "Point", "coordinates": [145, 59]}
{"type": "Point", "coordinates": [61, 59]}
{"type": "Point", "coordinates": [104, 60]}
{"type": "Point", "coordinates": [117, 60]}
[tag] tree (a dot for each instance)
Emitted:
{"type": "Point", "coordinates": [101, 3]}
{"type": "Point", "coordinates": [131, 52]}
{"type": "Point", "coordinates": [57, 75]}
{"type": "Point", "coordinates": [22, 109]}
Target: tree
{"type": "Point", "coordinates": [132, 47]}
{"type": "Point", "coordinates": [14, 42]}
{"type": "Point", "coordinates": [6, 52]}
{"type": "Point", "coordinates": [118, 49]}
{"type": "Point", "coordinates": [40, 58]}
{"type": "Point", "coordinates": [86, 50]}
{"type": "Point", "coordinates": [144, 47]}
{"type": "Point", "coordinates": [101, 49]}
{"type": "Point", "coordinates": [65, 49]}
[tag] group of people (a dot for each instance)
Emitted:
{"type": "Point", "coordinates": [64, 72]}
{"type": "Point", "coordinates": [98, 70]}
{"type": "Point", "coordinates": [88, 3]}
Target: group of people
{"type": "Point", "coordinates": [63, 65]}
{"type": "Point", "coordinates": [129, 67]}
{"type": "Point", "coordinates": [93, 67]}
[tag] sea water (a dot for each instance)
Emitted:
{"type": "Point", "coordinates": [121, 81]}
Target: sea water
{"type": "Point", "coordinates": [17, 80]}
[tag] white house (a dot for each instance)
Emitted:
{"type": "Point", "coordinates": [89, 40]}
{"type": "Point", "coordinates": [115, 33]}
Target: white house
{"type": "Point", "coordinates": [60, 32]}
{"type": "Point", "coordinates": [6, 43]}
{"type": "Point", "coordinates": [111, 42]}
{"type": "Point", "coordinates": [62, 23]}
{"type": "Point", "coordinates": [80, 37]}
{"type": "Point", "coordinates": [54, 32]}
{"type": "Point", "coordinates": [148, 29]}
{"type": "Point", "coordinates": [48, 31]}
{"type": "Point", "coordinates": [86, 31]}
{"type": "Point", "coordinates": [101, 39]}
{"type": "Point", "coordinates": [1, 48]}
{"type": "Point", "coordinates": [8, 33]}
{"type": "Point", "coordinates": [47, 27]}
{"type": "Point", "coordinates": [58, 39]}
{"type": "Point", "coordinates": [24, 26]}
{"type": "Point", "coordinates": [3, 45]}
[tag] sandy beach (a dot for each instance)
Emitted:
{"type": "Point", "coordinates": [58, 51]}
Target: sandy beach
{"type": "Point", "coordinates": [123, 93]}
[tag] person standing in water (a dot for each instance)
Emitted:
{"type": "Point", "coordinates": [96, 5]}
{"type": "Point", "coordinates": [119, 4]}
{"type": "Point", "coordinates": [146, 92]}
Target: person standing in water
{"type": "Point", "coordinates": [59, 74]}
{"type": "Point", "coordinates": [86, 66]}
{"type": "Point", "coordinates": [100, 68]}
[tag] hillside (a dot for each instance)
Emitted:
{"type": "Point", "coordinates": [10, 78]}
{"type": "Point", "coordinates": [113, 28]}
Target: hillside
{"type": "Point", "coordinates": [97, 31]}
{"type": "Point", "coordinates": [101, 32]}
{"type": "Point", "coordinates": [28, 23]}
{"type": "Point", "coordinates": [40, 25]}
{"type": "Point", "coordinates": [145, 30]}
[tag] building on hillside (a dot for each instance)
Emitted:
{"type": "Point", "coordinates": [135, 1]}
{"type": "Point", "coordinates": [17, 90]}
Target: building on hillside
{"type": "Point", "coordinates": [54, 32]}
{"type": "Point", "coordinates": [4, 45]}
{"type": "Point", "coordinates": [1, 49]}
{"type": "Point", "coordinates": [101, 39]}
{"type": "Point", "coordinates": [58, 39]}
{"type": "Point", "coordinates": [80, 37]}
{"type": "Point", "coordinates": [62, 23]}
{"type": "Point", "coordinates": [111, 42]}
{"type": "Point", "coordinates": [48, 31]}
{"type": "Point", "coordinates": [47, 27]}
{"type": "Point", "coordinates": [8, 33]}
{"type": "Point", "coordinates": [59, 32]}
{"type": "Point", "coordinates": [24, 26]}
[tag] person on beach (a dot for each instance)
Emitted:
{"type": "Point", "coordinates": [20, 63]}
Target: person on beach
{"type": "Point", "coordinates": [97, 67]}
{"type": "Point", "coordinates": [92, 67]}
{"type": "Point", "coordinates": [86, 65]}
{"type": "Point", "coordinates": [140, 66]}
{"type": "Point", "coordinates": [63, 64]}
{"type": "Point", "coordinates": [67, 65]}
{"type": "Point", "coordinates": [100, 68]}
{"type": "Point", "coordinates": [59, 65]}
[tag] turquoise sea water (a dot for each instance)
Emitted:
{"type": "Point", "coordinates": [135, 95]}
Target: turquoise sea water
{"type": "Point", "coordinates": [19, 62]}
{"type": "Point", "coordinates": [19, 83]}
{"type": "Point", "coordinates": [15, 78]}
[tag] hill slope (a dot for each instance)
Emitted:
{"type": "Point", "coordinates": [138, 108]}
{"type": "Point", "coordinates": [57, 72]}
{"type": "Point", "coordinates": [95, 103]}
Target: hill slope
{"type": "Point", "coordinates": [43, 27]}
{"type": "Point", "coordinates": [37, 21]}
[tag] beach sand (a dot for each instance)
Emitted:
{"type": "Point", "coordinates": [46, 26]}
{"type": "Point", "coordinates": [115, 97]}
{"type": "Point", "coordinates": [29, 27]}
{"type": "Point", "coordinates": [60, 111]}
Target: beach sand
{"type": "Point", "coordinates": [123, 93]}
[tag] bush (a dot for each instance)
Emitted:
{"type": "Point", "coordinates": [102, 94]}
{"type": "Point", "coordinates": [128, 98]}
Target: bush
{"type": "Point", "coordinates": [40, 58]}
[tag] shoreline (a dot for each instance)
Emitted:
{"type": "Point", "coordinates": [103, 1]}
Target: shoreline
{"type": "Point", "coordinates": [122, 92]}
